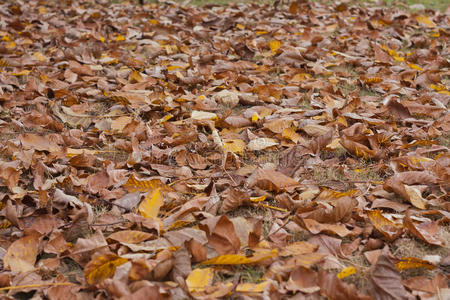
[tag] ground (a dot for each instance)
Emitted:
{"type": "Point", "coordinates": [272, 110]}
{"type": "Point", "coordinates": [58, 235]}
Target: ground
{"type": "Point", "coordinates": [216, 149]}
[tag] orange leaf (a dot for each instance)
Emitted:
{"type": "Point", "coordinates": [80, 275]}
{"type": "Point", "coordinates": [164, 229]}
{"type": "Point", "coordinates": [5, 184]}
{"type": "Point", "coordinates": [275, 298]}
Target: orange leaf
{"type": "Point", "coordinates": [411, 262]}
{"type": "Point", "coordinates": [133, 184]}
{"type": "Point", "coordinates": [388, 228]}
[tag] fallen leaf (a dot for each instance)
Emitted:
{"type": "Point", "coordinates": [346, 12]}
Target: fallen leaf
{"type": "Point", "coordinates": [199, 279]}
{"type": "Point", "coordinates": [102, 267]}
{"type": "Point", "coordinates": [149, 207]}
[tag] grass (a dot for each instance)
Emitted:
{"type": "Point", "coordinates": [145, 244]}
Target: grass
{"type": "Point", "coordinates": [255, 212]}
{"type": "Point", "coordinates": [444, 140]}
{"type": "Point", "coordinates": [362, 266]}
{"type": "Point", "coordinates": [405, 4]}
{"type": "Point", "coordinates": [325, 174]}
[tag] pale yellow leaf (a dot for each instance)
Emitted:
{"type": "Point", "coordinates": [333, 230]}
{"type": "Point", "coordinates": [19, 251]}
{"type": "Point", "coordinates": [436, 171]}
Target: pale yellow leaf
{"type": "Point", "coordinates": [261, 143]}
{"type": "Point", "coordinates": [415, 197]}
{"type": "Point", "coordinates": [203, 115]}
{"type": "Point", "coordinates": [234, 145]}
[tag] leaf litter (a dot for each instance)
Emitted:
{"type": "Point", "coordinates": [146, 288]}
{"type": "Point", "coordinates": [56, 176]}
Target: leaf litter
{"type": "Point", "coordinates": [245, 151]}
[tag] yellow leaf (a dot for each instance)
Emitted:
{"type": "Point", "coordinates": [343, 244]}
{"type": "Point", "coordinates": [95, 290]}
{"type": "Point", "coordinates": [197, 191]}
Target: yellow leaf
{"type": "Point", "coordinates": [248, 287]}
{"type": "Point", "coordinates": [171, 49]}
{"type": "Point", "coordinates": [258, 199]}
{"type": "Point", "coordinates": [398, 58]}
{"type": "Point", "coordinates": [234, 145]}
{"type": "Point", "coordinates": [165, 118]}
{"type": "Point", "coordinates": [435, 34]}
{"type": "Point", "coordinates": [120, 38]}
{"type": "Point", "coordinates": [238, 259]}
{"type": "Point", "coordinates": [425, 20]}
{"type": "Point", "coordinates": [42, 10]}
{"type": "Point", "coordinates": [199, 279]}
{"type": "Point", "coordinates": [102, 267]}
{"type": "Point", "coordinates": [5, 224]}
{"type": "Point", "coordinates": [290, 134]}
{"type": "Point", "coordinates": [22, 73]}
{"type": "Point", "coordinates": [171, 68]}
{"type": "Point", "coordinates": [415, 67]}
{"type": "Point", "coordinates": [135, 76]}
{"type": "Point", "coordinates": [412, 262]}
{"type": "Point", "coordinates": [6, 38]}
{"type": "Point", "coordinates": [373, 80]}
{"type": "Point", "coordinates": [440, 88]}
{"type": "Point", "coordinates": [346, 272]}
{"type": "Point", "coordinates": [240, 26]}
{"type": "Point", "coordinates": [274, 45]}
{"type": "Point", "coordinates": [11, 45]}
{"type": "Point", "coordinates": [261, 32]}
{"type": "Point", "coordinates": [255, 117]}
{"type": "Point", "coordinates": [150, 206]}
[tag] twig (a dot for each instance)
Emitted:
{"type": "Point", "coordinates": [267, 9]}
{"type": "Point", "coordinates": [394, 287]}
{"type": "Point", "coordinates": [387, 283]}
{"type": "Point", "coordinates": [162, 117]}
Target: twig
{"type": "Point", "coordinates": [109, 224]}
{"type": "Point", "coordinates": [235, 284]}
{"type": "Point", "coordinates": [19, 287]}
{"type": "Point", "coordinates": [111, 203]}
{"type": "Point", "coordinates": [282, 226]}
